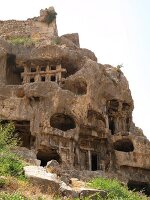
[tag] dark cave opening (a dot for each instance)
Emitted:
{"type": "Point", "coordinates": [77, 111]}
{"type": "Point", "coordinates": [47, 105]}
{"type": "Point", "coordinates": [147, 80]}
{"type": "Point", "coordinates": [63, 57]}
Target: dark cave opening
{"type": "Point", "coordinates": [139, 186]}
{"type": "Point", "coordinates": [13, 72]}
{"type": "Point", "coordinates": [62, 122]}
{"type": "Point", "coordinates": [124, 145]}
{"type": "Point", "coordinates": [48, 154]}
{"type": "Point", "coordinates": [94, 161]}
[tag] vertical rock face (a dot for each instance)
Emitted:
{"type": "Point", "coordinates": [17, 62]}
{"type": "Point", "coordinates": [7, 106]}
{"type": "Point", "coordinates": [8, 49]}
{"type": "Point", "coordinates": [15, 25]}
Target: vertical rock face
{"type": "Point", "coordinates": [65, 105]}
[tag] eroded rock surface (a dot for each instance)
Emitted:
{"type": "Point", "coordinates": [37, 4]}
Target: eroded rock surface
{"type": "Point", "coordinates": [65, 105]}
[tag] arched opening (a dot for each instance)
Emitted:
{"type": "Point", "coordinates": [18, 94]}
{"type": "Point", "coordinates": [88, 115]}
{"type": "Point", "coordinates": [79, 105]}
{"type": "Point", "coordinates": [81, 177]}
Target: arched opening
{"type": "Point", "coordinates": [62, 122]}
{"type": "Point", "coordinates": [139, 186]}
{"type": "Point", "coordinates": [124, 145]}
{"type": "Point", "coordinates": [48, 154]}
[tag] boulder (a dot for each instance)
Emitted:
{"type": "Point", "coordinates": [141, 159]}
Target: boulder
{"type": "Point", "coordinates": [47, 182]}
{"type": "Point", "coordinates": [53, 167]}
{"type": "Point", "coordinates": [92, 193]}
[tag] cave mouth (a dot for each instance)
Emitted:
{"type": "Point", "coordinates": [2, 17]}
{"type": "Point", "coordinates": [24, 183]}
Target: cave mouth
{"type": "Point", "coordinates": [138, 186]}
{"type": "Point", "coordinates": [124, 145]}
{"type": "Point", "coordinates": [13, 72]}
{"type": "Point", "coordinates": [47, 154]}
{"type": "Point", "coordinates": [62, 122]}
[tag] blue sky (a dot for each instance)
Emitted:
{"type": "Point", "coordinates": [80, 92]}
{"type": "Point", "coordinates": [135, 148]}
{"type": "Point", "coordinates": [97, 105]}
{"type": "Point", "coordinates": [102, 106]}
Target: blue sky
{"type": "Point", "coordinates": [118, 31]}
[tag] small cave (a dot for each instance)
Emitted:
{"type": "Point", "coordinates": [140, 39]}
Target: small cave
{"type": "Point", "coordinates": [13, 72]}
{"type": "Point", "coordinates": [47, 154]}
{"type": "Point", "coordinates": [62, 122]}
{"type": "Point", "coordinates": [112, 125]}
{"type": "Point", "coordinates": [124, 145]}
{"type": "Point", "coordinates": [78, 87]}
{"type": "Point", "coordinates": [138, 186]}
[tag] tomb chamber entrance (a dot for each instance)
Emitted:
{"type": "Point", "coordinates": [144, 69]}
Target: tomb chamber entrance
{"type": "Point", "coordinates": [47, 154]}
{"type": "Point", "coordinates": [62, 122]}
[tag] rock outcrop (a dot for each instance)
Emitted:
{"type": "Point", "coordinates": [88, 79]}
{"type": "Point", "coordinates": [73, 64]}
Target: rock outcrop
{"type": "Point", "coordinates": [49, 183]}
{"type": "Point", "coordinates": [65, 105]}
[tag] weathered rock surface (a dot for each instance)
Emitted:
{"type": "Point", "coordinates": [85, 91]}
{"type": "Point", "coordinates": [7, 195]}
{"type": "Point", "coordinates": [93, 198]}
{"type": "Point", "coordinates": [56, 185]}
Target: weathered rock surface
{"type": "Point", "coordinates": [66, 106]}
{"type": "Point", "coordinates": [49, 183]}
{"type": "Point", "coordinates": [27, 155]}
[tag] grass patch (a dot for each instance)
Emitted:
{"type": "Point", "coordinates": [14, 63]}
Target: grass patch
{"type": "Point", "coordinates": [116, 191]}
{"type": "Point", "coordinates": [13, 184]}
{"type": "Point", "coordinates": [2, 182]}
{"type": "Point", "coordinates": [14, 196]}
{"type": "Point", "coordinates": [20, 40]}
{"type": "Point", "coordinates": [10, 165]}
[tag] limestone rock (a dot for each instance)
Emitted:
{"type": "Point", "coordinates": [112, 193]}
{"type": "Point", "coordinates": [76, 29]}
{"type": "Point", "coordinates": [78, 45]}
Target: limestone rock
{"type": "Point", "coordinates": [92, 193]}
{"type": "Point", "coordinates": [67, 191]}
{"type": "Point", "coordinates": [47, 182]}
{"type": "Point", "coordinates": [53, 167]}
{"type": "Point", "coordinates": [67, 107]}
{"type": "Point", "coordinates": [76, 183]}
{"type": "Point", "coordinates": [52, 163]}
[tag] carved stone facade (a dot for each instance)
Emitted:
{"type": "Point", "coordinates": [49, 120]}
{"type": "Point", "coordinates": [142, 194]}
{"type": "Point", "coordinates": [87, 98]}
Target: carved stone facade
{"type": "Point", "coordinates": [70, 108]}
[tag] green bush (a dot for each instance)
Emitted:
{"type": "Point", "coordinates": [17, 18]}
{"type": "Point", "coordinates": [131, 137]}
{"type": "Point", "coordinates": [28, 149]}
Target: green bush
{"type": "Point", "coordinates": [51, 15]}
{"type": "Point", "coordinates": [14, 196]}
{"type": "Point", "coordinates": [20, 40]}
{"type": "Point", "coordinates": [116, 191]}
{"type": "Point", "coordinates": [2, 182]}
{"type": "Point", "coordinates": [10, 164]}
{"type": "Point", "coordinates": [7, 137]}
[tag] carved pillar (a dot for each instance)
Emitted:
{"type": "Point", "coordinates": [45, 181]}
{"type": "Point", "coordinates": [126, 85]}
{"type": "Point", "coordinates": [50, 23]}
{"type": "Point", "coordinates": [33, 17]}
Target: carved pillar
{"type": "Point", "coordinates": [58, 74]}
{"type": "Point", "coordinates": [37, 77]}
{"type": "Point", "coordinates": [89, 159]}
{"type": "Point", "coordinates": [47, 76]}
{"type": "Point", "coordinates": [26, 78]}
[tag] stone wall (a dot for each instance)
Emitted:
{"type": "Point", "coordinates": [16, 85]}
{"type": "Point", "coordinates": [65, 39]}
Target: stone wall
{"type": "Point", "coordinates": [34, 28]}
{"type": "Point", "coordinates": [30, 28]}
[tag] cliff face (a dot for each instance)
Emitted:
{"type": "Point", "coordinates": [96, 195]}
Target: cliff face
{"type": "Point", "coordinates": [65, 105]}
